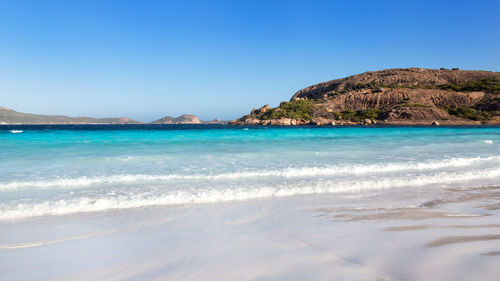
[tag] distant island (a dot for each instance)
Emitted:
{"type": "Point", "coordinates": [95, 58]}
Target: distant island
{"type": "Point", "coordinates": [9, 116]}
{"type": "Point", "coordinates": [185, 119]}
{"type": "Point", "coordinates": [411, 96]}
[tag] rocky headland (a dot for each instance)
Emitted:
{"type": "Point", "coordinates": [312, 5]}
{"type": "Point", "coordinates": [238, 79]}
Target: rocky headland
{"type": "Point", "coordinates": [411, 96]}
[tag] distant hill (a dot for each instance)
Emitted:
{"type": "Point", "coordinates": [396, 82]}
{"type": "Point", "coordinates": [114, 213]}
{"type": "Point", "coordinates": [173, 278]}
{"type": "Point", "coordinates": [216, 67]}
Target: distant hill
{"type": "Point", "coordinates": [183, 119]}
{"type": "Point", "coordinates": [186, 119]}
{"type": "Point", "coordinates": [393, 96]}
{"type": "Point", "coordinates": [9, 116]}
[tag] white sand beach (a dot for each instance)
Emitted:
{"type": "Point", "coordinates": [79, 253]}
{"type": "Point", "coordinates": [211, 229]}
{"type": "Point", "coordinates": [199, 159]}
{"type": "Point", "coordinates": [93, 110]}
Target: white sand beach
{"type": "Point", "coordinates": [399, 234]}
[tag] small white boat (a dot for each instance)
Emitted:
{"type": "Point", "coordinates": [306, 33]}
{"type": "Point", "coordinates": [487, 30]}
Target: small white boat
{"type": "Point", "coordinates": [16, 131]}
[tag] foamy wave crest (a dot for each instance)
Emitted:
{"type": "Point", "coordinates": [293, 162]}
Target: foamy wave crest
{"type": "Point", "coordinates": [107, 202]}
{"type": "Point", "coordinates": [284, 173]}
{"type": "Point", "coordinates": [85, 181]}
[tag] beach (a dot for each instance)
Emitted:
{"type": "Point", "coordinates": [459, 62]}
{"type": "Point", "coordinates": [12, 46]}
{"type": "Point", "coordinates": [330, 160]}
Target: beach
{"type": "Point", "coordinates": [250, 203]}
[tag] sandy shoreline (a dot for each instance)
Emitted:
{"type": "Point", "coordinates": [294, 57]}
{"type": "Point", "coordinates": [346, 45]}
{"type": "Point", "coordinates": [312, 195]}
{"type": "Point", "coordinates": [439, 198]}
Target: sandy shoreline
{"type": "Point", "coordinates": [390, 235]}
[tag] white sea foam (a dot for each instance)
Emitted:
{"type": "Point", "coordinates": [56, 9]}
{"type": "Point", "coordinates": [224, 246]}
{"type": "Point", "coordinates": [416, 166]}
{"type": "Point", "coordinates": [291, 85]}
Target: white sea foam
{"type": "Point", "coordinates": [104, 202]}
{"type": "Point", "coordinates": [16, 131]}
{"type": "Point", "coordinates": [284, 173]}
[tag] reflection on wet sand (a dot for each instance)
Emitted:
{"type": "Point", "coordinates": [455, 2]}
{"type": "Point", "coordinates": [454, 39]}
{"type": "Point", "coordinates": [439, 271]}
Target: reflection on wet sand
{"type": "Point", "coordinates": [491, 207]}
{"type": "Point", "coordinates": [476, 208]}
{"type": "Point", "coordinates": [423, 227]}
{"type": "Point", "coordinates": [430, 209]}
{"type": "Point", "coordinates": [412, 214]}
{"type": "Point", "coordinates": [351, 215]}
{"type": "Point", "coordinates": [462, 239]}
{"type": "Point", "coordinates": [491, 254]}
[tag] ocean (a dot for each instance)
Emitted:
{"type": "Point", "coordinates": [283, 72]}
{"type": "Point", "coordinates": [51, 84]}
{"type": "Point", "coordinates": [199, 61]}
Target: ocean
{"type": "Point", "coordinates": [89, 177]}
{"type": "Point", "coordinates": [58, 170]}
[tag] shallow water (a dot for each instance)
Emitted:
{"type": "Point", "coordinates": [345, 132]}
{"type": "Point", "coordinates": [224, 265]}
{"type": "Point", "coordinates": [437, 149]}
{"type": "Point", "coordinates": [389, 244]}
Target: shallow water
{"type": "Point", "coordinates": [272, 191]}
{"type": "Point", "coordinates": [56, 171]}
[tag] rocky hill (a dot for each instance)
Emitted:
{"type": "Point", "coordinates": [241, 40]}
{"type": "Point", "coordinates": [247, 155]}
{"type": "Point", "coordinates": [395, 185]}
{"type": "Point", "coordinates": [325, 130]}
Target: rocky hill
{"type": "Point", "coordinates": [183, 119]}
{"type": "Point", "coordinates": [393, 96]}
{"type": "Point", "coordinates": [9, 116]}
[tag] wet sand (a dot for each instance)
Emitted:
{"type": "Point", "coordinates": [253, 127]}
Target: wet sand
{"type": "Point", "coordinates": [419, 234]}
{"type": "Point", "coordinates": [461, 239]}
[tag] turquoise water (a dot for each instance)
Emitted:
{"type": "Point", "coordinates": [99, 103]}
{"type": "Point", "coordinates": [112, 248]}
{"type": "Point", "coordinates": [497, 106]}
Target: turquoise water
{"type": "Point", "coordinates": [60, 170]}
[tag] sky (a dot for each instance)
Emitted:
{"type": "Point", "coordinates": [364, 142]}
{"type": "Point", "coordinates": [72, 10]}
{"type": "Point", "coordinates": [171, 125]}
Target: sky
{"type": "Point", "coordinates": [219, 59]}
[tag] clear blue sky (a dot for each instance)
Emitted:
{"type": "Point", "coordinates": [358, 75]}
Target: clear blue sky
{"type": "Point", "coordinates": [146, 59]}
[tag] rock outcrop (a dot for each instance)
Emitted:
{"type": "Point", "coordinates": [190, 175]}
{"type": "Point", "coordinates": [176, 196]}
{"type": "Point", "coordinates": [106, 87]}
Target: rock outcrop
{"type": "Point", "coordinates": [394, 78]}
{"type": "Point", "coordinates": [321, 121]}
{"type": "Point", "coordinates": [261, 110]}
{"type": "Point", "coordinates": [393, 96]}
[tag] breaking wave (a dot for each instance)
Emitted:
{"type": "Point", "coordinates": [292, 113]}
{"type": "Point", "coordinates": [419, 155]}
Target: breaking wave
{"type": "Point", "coordinates": [283, 173]}
{"type": "Point", "coordinates": [106, 202]}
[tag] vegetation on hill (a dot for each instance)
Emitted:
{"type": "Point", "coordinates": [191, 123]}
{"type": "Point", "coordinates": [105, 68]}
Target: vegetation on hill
{"type": "Point", "coordinates": [488, 85]}
{"type": "Point", "coordinates": [470, 113]}
{"type": "Point", "coordinates": [299, 109]}
{"type": "Point", "coordinates": [360, 115]}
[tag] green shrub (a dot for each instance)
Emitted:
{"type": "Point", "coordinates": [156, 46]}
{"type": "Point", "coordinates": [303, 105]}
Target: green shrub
{"type": "Point", "coordinates": [411, 104]}
{"type": "Point", "coordinates": [489, 85]}
{"type": "Point", "coordinates": [360, 115]}
{"type": "Point", "coordinates": [368, 114]}
{"type": "Point", "coordinates": [348, 114]}
{"type": "Point", "coordinates": [300, 109]}
{"type": "Point", "coordinates": [336, 115]}
{"type": "Point", "coordinates": [376, 87]}
{"type": "Point", "coordinates": [468, 112]}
